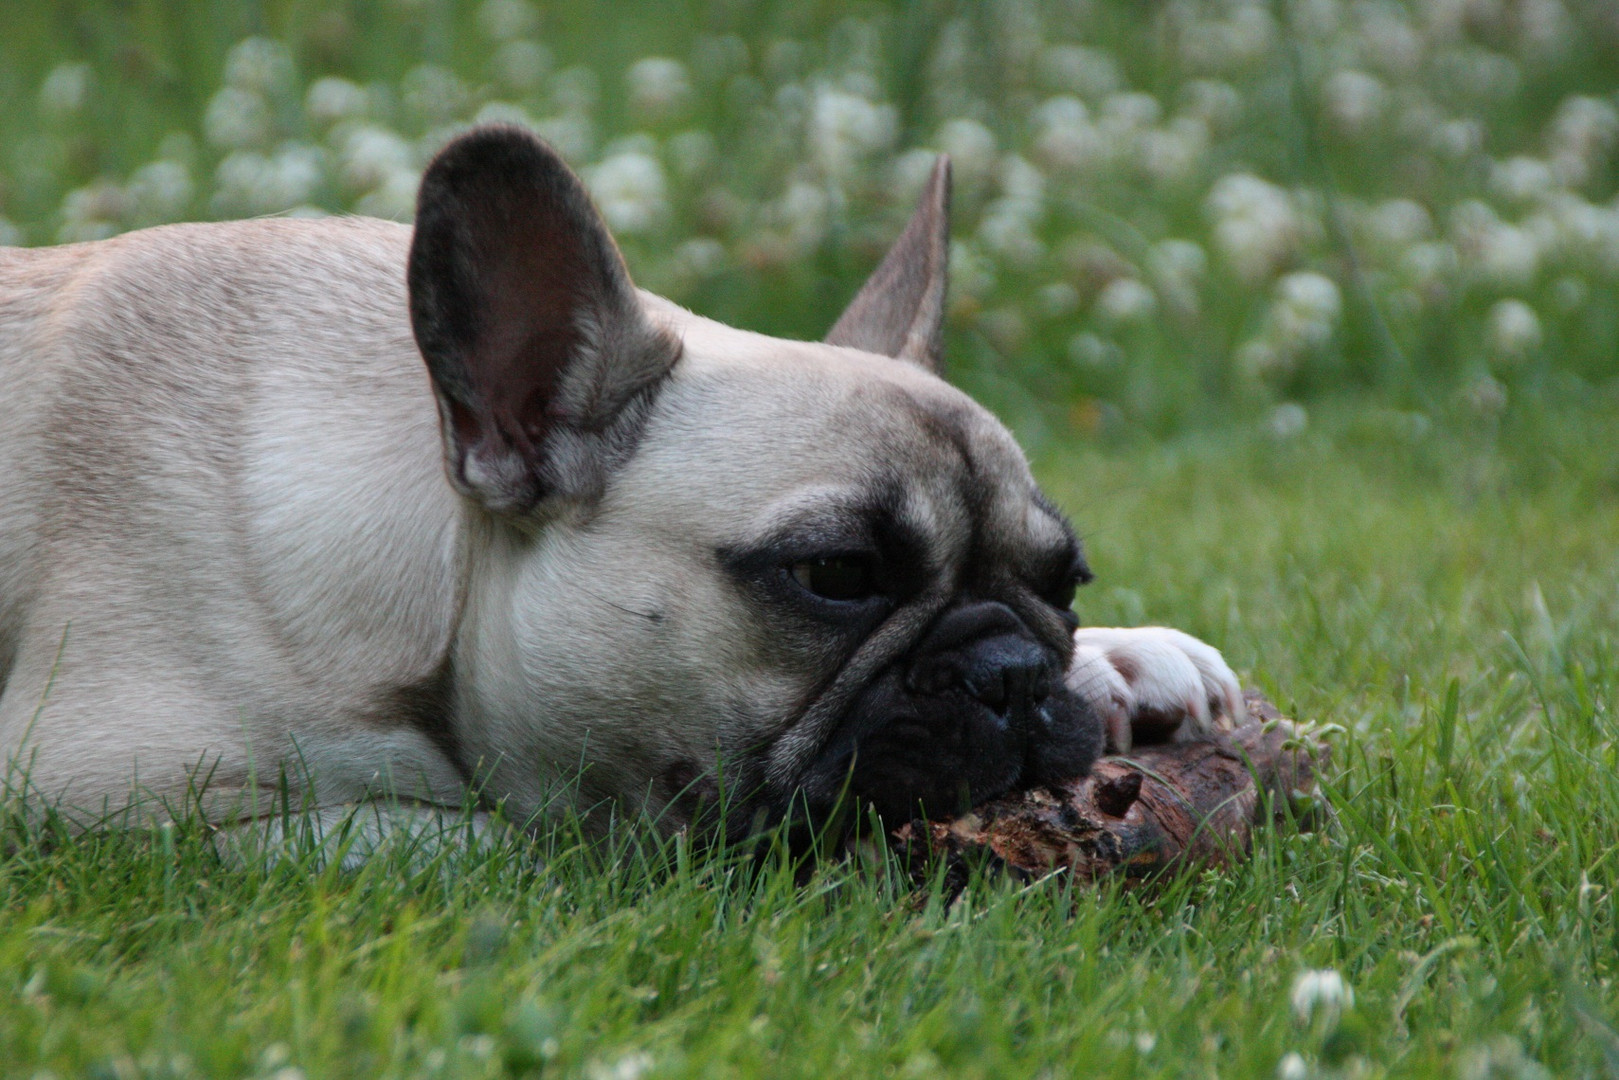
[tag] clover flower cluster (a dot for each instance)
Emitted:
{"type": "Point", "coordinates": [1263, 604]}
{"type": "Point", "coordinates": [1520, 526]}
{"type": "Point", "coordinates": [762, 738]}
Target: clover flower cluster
{"type": "Point", "coordinates": [1304, 172]}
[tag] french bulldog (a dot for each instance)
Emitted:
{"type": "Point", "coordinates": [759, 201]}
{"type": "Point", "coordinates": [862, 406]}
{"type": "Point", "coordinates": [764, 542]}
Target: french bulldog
{"type": "Point", "coordinates": [251, 542]}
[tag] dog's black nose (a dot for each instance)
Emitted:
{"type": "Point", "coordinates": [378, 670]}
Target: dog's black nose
{"type": "Point", "coordinates": [984, 649]}
{"type": "Point", "coordinates": [1008, 674]}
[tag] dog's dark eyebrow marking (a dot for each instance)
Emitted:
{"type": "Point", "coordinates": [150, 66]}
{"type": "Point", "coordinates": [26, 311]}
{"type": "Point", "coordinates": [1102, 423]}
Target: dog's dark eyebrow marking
{"type": "Point", "coordinates": [1073, 558]}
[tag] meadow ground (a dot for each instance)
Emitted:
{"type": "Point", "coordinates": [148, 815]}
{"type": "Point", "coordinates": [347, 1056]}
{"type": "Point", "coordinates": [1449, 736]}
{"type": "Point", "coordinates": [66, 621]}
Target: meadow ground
{"type": "Point", "coordinates": [1309, 314]}
{"type": "Point", "coordinates": [1448, 599]}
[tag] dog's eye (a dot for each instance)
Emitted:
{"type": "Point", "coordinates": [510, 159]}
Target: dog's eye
{"type": "Point", "coordinates": [841, 577]}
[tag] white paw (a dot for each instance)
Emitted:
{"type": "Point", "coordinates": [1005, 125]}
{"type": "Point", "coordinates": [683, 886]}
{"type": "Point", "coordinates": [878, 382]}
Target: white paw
{"type": "Point", "coordinates": [1153, 684]}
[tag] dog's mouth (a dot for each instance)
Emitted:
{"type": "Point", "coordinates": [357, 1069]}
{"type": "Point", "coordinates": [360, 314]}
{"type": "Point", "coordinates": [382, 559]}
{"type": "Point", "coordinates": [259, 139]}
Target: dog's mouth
{"type": "Point", "coordinates": [978, 709]}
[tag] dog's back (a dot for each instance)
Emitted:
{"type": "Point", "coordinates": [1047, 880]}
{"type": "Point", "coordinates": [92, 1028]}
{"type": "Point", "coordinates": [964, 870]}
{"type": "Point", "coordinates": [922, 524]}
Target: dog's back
{"type": "Point", "coordinates": [33, 286]}
{"type": "Point", "coordinates": [221, 440]}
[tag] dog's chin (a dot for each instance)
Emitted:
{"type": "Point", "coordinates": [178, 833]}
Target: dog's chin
{"type": "Point", "coordinates": [908, 755]}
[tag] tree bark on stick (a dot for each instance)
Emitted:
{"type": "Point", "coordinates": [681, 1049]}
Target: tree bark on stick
{"type": "Point", "coordinates": [1156, 810]}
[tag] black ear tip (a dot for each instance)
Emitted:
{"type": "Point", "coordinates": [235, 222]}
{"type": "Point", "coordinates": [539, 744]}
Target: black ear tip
{"type": "Point", "coordinates": [491, 151]}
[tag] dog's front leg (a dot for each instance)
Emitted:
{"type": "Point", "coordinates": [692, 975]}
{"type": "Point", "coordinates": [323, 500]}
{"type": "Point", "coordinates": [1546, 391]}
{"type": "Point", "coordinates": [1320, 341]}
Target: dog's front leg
{"type": "Point", "coordinates": [356, 833]}
{"type": "Point", "coordinates": [1153, 684]}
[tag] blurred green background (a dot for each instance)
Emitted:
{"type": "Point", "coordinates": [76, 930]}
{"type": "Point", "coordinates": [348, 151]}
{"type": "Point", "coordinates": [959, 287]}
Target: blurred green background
{"type": "Point", "coordinates": [1168, 213]}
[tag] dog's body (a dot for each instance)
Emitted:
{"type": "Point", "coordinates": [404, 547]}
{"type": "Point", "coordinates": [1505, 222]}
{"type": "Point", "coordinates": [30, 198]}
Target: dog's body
{"type": "Point", "coordinates": [231, 559]}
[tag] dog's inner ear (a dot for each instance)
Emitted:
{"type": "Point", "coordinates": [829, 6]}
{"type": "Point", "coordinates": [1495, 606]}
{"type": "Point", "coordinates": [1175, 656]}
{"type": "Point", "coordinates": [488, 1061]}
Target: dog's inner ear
{"type": "Point", "coordinates": [541, 356]}
{"type": "Point", "coordinates": [899, 311]}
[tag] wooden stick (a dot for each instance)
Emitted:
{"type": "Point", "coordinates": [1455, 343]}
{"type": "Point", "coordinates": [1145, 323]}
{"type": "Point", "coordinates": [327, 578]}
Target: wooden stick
{"type": "Point", "coordinates": [1156, 810]}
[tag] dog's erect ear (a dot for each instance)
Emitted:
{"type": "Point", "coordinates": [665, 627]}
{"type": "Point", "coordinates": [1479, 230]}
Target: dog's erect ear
{"type": "Point", "coordinates": [900, 310]}
{"type": "Point", "coordinates": [542, 359]}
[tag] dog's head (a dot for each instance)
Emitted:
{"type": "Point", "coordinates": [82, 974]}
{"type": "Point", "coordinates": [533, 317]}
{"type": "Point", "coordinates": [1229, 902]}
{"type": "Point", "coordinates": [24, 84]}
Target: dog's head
{"type": "Point", "coordinates": [706, 557]}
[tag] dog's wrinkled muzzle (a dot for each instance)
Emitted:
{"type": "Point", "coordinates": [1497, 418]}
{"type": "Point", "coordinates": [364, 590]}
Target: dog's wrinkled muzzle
{"type": "Point", "coordinates": [978, 708]}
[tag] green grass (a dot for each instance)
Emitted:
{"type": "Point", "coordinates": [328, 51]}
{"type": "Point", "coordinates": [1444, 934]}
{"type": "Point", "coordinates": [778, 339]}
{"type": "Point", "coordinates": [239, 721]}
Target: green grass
{"type": "Point", "coordinates": [1450, 600]}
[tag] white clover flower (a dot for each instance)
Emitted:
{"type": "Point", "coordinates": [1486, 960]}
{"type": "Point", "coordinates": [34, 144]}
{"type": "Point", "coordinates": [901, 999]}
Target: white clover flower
{"type": "Point", "coordinates": [433, 93]}
{"type": "Point", "coordinates": [1430, 264]}
{"type": "Point", "coordinates": [910, 171]}
{"type": "Point", "coordinates": [1173, 154]}
{"type": "Point", "coordinates": [1287, 421]}
{"type": "Point", "coordinates": [1354, 102]}
{"type": "Point", "coordinates": [1125, 113]}
{"type": "Point", "coordinates": [236, 118]}
{"type": "Point", "coordinates": [1182, 260]}
{"type": "Point", "coordinates": [1514, 330]}
{"type": "Point", "coordinates": [10, 234]}
{"type": "Point", "coordinates": [1080, 70]}
{"type": "Point", "coordinates": [520, 65]}
{"type": "Point", "coordinates": [1064, 137]}
{"type": "Point", "coordinates": [260, 65]}
{"type": "Point", "coordinates": [1246, 36]}
{"type": "Point", "coordinates": [502, 112]}
{"type": "Point", "coordinates": [331, 100]}
{"type": "Point", "coordinates": [971, 275]}
{"type": "Point", "coordinates": [971, 147]}
{"type": "Point", "coordinates": [1389, 41]}
{"type": "Point", "coordinates": [159, 191]}
{"type": "Point", "coordinates": [1458, 139]}
{"type": "Point", "coordinates": [1023, 184]}
{"type": "Point", "coordinates": [1522, 179]}
{"type": "Point", "coordinates": [1545, 28]}
{"type": "Point", "coordinates": [659, 87]}
{"type": "Point", "coordinates": [629, 1067]}
{"type": "Point", "coordinates": [1582, 135]}
{"type": "Point", "coordinates": [1508, 256]}
{"type": "Point", "coordinates": [1178, 266]}
{"type": "Point", "coordinates": [1257, 227]}
{"type": "Point", "coordinates": [1321, 992]}
{"type": "Point", "coordinates": [1126, 300]}
{"type": "Point", "coordinates": [1587, 231]}
{"type": "Point", "coordinates": [247, 182]}
{"type": "Point", "coordinates": [1307, 309]}
{"type": "Point", "coordinates": [1499, 1058]}
{"type": "Point", "coordinates": [394, 198]}
{"type": "Point", "coordinates": [1471, 218]}
{"type": "Point", "coordinates": [846, 127]}
{"type": "Point", "coordinates": [66, 90]}
{"type": "Point", "coordinates": [805, 211]}
{"type": "Point", "coordinates": [629, 187]}
{"type": "Point", "coordinates": [367, 155]}
{"type": "Point", "coordinates": [503, 20]}
{"type": "Point", "coordinates": [1007, 231]}
{"type": "Point", "coordinates": [1292, 1067]}
{"type": "Point", "coordinates": [573, 135]}
{"type": "Point", "coordinates": [1396, 224]}
{"type": "Point", "coordinates": [100, 202]}
{"type": "Point", "coordinates": [1007, 227]}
